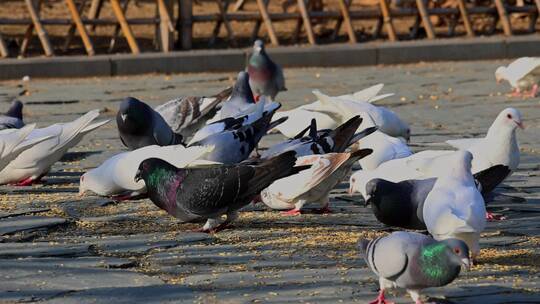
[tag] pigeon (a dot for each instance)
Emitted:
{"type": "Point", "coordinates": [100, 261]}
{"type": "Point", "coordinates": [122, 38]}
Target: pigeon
{"type": "Point", "coordinates": [385, 147]}
{"type": "Point", "coordinates": [235, 145]}
{"type": "Point", "coordinates": [523, 74]}
{"type": "Point", "coordinates": [13, 118]}
{"type": "Point", "coordinates": [312, 185]}
{"type": "Point", "coordinates": [209, 192]}
{"type": "Point", "coordinates": [321, 142]}
{"type": "Point", "coordinates": [265, 77]}
{"type": "Point", "coordinates": [31, 165]}
{"type": "Point", "coordinates": [231, 123]}
{"type": "Point", "coordinates": [343, 108]}
{"type": "Point", "coordinates": [401, 204]}
{"type": "Point", "coordinates": [13, 142]}
{"type": "Point", "coordinates": [187, 114]}
{"type": "Point", "coordinates": [413, 261]}
{"type": "Point", "coordinates": [139, 126]}
{"type": "Point", "coordinates": [241, 101]}
{"type": "Point", "coordinates": [455, 208]}
{"type": "Point", "coordinates": [116, 176]}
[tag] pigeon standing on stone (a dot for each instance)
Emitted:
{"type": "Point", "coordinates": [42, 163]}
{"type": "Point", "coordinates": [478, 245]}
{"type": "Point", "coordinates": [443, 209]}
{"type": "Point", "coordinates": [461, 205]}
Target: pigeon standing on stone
{"type": "Point", "coordinates": [139, 126]}
{"type": "Point", "coordinates": [312, 185]}
{"type": "Point", "coordinates": [185, 115]}
{"type": "Point", "coordinates": [31, 165]}
{"type": "Point", "coordinates": [212, 191]}
{"type": "Point", "coordinates": [523, 74]}
{"type": "Point", "coordinates": [265, 77]}
{"type": "Point", "coordinates": [413, 261]}
{"type": "Point", "coordinates": [13, 118]}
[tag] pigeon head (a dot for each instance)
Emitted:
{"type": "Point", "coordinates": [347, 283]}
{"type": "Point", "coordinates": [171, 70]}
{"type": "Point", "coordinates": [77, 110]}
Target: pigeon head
{"type": "Point", "coordinates": [153, 171]}
{"type": "Point", "coordinates": [355, 185]}
{"type": "Point", "coordinates": [258, 46]}
{"type": "Point", "coordinates": [15, 110]}
{"type": "Point", "coordinates": [459, 252]}
{"type": "Point", "coordinates": [242, 88]}
{"type": "Point", "coordinates": [374, 188]}
{"type": "Point", "coordinates": [509, 119]}
{"type": "Point", "coordinates": [500, 74]}
{"type": "Point", "coordinates": [87, 183]}
{"type": "Point", "coordinates": [133, 115]}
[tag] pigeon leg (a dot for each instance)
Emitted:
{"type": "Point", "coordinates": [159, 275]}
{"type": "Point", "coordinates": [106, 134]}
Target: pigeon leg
{"type": "Point", "coordinates": [494, 217]}
{"type": "Point", "coordinates": [516, 93]}
{"type": "Point", "coordinates": [533, 92]}
{"type": "Point", "coordinates": [380, 299]}
{"type": "Point", "coordinates": [325, 209]}
{"type": "Point", "coordinates": [25, 182]}
{"type": "Point", "coordinates": [209, 226]}
{"type": "Point", "coordinates": [292, 212]}
{"type": "Point", "coordinates": [256, 97]}
{"type": "Point", "coordinates": [415, 295]}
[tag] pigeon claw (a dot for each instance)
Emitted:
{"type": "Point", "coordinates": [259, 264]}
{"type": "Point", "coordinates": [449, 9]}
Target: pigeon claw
{"type": "Point", "coordinates": [25, 182]}
{"type": "Point", "coordinates": [494, 217]}
{"type": "Point", "coordinates": [292, 212]}
{"type": "Point", "coordinates": [380, 299]}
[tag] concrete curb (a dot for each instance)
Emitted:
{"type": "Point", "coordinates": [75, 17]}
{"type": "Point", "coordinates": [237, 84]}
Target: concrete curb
{"type": "Point", "coordinates": [479, 48]}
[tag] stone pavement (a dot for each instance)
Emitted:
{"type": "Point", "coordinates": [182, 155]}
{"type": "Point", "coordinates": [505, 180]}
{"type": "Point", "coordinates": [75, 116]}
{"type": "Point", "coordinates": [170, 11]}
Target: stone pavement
{"type": "Point", "coordinates": [59, 248]}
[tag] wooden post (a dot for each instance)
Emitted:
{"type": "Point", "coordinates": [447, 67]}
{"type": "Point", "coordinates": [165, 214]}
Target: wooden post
{"type": "Point", "coordinates": [258, 23]}
{"type": "Point", "coordinates": [425, 19]}
{"type": "Point", "coordinates": [116, 32]}
{"type": "Point", "coordinates": [42, 34]}
{"type": "Point", "coordinates": [339, 22]}
{"type": "Point", "coordinates": [93, 12]}
{"type": "Point", "coordinates": [267, 22]}
{"type": "Point", "coordinates": [117, 9]}
{"type": "Point", "coordinates": [307, 22]}
{"type": "Point", "coordinates": [347, 18]}
{"type": "Point", "coordinates": [503, 16]}
{"type": "Point", "coordinates": [387, 18]}
{"type": "Point", "coordinates": [166, 28]}
{"type": "Point", "coordinates": [4, 51]}
{"type": "Point", "coordinates": [223, 13]}
{"type": "Point", "coordinates": [72, 28]}
{"type": "Point", "coordinates": [26, 40]}
{"type": "Point", "coordinates": [186, 23]}
{"type": "Point", "coordinates": [238, 5]}
{"type": "Point", "coordinates": [80, 27]}
{"type": "Point", "coordinates": [537, 2]}
{"type": "Point", "coordinates": [465, 17]}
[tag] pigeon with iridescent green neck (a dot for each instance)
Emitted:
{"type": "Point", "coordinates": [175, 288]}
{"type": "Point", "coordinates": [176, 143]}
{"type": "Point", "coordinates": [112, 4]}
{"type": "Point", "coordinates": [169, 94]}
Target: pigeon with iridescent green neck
{"type": "Point", "coordinates": [413, 261]}
{"type": "Point", "coordinates": [266, 77]}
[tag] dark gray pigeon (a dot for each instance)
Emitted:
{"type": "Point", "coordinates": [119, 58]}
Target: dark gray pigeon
{"type": "Point", "coordinates": [321, 141]}
{"type": "Point", "coordinates": [208, 192]}
{"type": "Point", "coordinates": [413, 261]}
{"type": "Point", "coordinates": [140, 126]}
{"type": "Point", "coordinates": [266, 77]}
{"type": "Point", "coordinates": [185, 115]}
{"type": "Point", "coordinates": [13, 118]}
{"type": "Point", "coordinates": [401, 204]}
{"type": "Point", "coordinates": [241, 100]}
{"type": "Point", "coordinates": [235, 144]}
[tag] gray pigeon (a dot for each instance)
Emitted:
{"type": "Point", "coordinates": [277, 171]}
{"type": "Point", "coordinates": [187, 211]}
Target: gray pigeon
{"type": "Point", "coordinates": [413, 261]}
{"type": "Point", "coordinates": [185, 115]}
{"type": "Point", "coordinates": [241, 98]}
{"type": "Point", "coordinates": [234, 145]}
{"type": "Point", "coordinates": [211, 191]}
{"type": "Point", "coordinates": [12, 119]}
{"type": "Point", "coordinates": [266, 77]}
{"type": "Point", "coordinates": [402, 204]}
{"type": "Point", "coordinates": [140, 126]}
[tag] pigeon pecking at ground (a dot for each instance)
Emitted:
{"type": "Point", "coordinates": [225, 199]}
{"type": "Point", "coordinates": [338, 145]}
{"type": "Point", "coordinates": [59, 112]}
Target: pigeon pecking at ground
{"type": "Point", "coordinates": [523, 74]}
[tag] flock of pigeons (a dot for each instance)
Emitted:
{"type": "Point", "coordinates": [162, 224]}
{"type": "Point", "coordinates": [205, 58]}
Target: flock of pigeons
{"type": "Point", "coordinates": [220, 170]}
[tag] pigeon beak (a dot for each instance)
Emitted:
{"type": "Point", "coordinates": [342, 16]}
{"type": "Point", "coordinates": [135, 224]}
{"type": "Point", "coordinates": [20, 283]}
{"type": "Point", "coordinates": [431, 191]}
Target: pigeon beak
{"type": "Point", "coordinates": [367, 202]}
{"type": "Point", "coordinates": [466, 263]}
{"type": "Point", "coordinates": [520, 125]}
{"type": "Point", "coordinates": [138, 176]}
{"type": "Point", "coordinates": [350, 191]}
{"type": "Point", "coordinates": [123, 116]}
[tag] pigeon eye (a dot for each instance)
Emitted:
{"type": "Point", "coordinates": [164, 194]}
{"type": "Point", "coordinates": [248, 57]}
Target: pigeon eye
{"type": "Point", "coordinates": [457, 251]}
{"type": "Point", "coordinates": [353, 180]}
{"type": "Point", "coordinates": [509, 116]}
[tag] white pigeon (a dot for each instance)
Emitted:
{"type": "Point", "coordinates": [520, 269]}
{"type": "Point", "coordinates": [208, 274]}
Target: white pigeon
{"type": "Point", "coordinates": [343, 109]}
{"type": "Point", "coordinates": [32, 164]}
{"type": "Point", "coordinates": [116, 176]}
{"type": "Point", "coordinates": [455, 208]}
{"type": "Point", "coordinates": [13, 142]}
{"type": "Point", "coordinates": [301, 117]}
{"type": "Point", "coordinates": [384, 146]}
{"type": "Point", "coordinates": [312, 185]}
{"type": "Point", "coordinates": [523, 74]}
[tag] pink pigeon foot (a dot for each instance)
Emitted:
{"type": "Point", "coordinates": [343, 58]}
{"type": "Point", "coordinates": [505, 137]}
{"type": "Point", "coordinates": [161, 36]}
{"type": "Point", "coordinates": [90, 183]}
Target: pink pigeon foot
{"type": "Point", "coordinates": [257, 98]}
{"type": "Point", "coordinates": [494, 217]}
{"type": "Point", "coordinates": [533, 92]}
{"type": "Point", "coordinates": [380, 299]}
{"type": "Point", "coordinates": [292, 212]}
{"type": "Point", "coordinates": [25, 182]}
{"type": "Point", "coordinates": [516, 93]}
{"type": "Point", "coordinates": [216, 229]}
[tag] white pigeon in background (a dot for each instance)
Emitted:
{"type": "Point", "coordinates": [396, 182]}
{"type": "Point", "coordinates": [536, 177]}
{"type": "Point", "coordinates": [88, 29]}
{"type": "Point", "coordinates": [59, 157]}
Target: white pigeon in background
{"type": "Point", "coordinates": [455, 208]}
{"type": "Point", "coordinates": [523, 74]}
{"type": "Point", "coordinates": [34, 163]}
{"type": "Point", "coordinates": [312, 185]}
{"type": "Point", "coordinates": [385, 147]}
{"type": "Point", "coordinates": [13, 142]}
{"type": "Point", "coordinates": [343, 109]}
{"type": "Point", "coordinates": [116, 176]}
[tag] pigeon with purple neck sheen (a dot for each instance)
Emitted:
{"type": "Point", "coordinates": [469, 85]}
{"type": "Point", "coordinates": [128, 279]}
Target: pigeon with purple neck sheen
{"type": "Point", "coordinates": [139, 125]}
{"type": "Point", "coordinates": [413, 261]}
{"type": "Point", "coordinates": [209, 192]}
{"type": "Point", "coordinates": [266, 77]}
{"type": "Point", "coordinates": [13, 118]}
